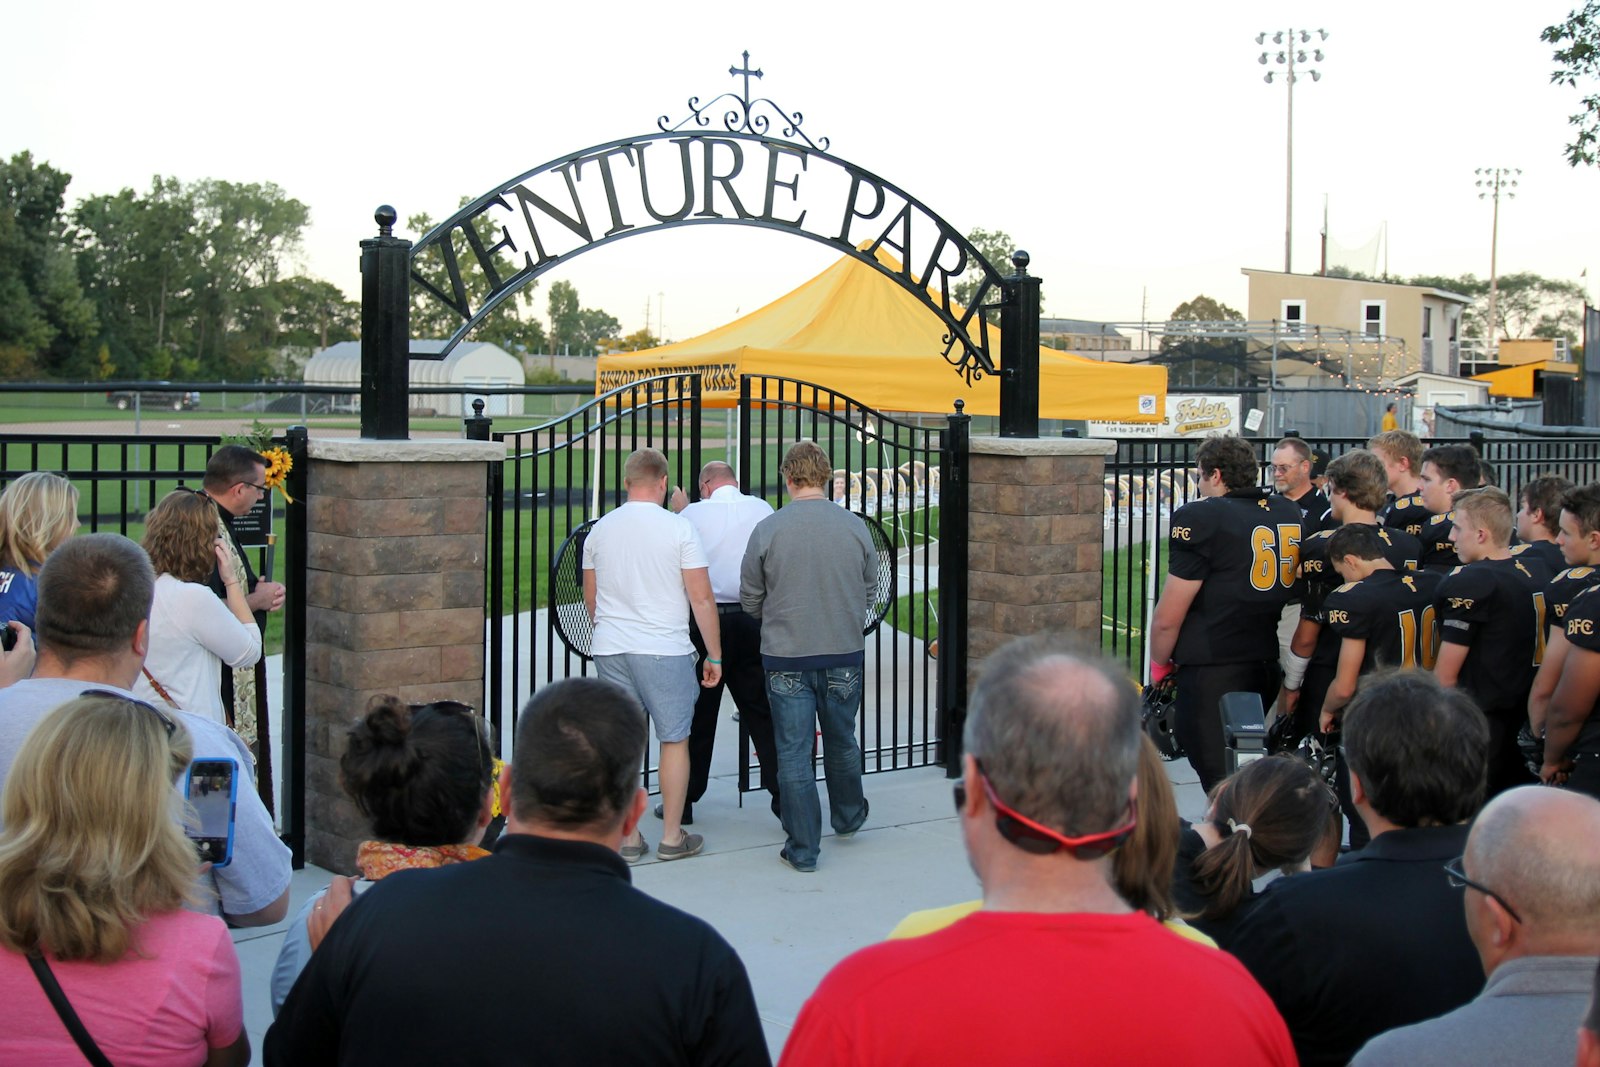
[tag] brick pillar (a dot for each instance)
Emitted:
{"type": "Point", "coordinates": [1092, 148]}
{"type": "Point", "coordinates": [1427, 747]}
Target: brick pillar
{"type": "Point", "coordinates": [394, 600]}
{"type": "Point", "coordinates": [1034, 542]}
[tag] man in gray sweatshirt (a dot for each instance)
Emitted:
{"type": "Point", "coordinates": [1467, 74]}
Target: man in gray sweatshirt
{"type": "Point", "coordinates": [810, 573]}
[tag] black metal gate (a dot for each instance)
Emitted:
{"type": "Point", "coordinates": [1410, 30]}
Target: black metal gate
{"type": "Point", "coordinates": [563, 473]}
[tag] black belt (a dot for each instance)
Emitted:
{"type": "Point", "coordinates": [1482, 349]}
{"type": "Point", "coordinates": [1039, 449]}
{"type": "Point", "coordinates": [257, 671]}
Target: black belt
{"type": "Point", "coordinates": [730, 609]}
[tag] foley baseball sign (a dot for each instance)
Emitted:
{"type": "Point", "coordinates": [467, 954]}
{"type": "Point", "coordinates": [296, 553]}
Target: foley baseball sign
{"type": "Point", "coordinates": [1186, 416]}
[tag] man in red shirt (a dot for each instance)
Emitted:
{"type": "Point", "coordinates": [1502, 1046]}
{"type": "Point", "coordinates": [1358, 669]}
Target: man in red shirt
{"type": "Point", "coordinates": [1056, 967]}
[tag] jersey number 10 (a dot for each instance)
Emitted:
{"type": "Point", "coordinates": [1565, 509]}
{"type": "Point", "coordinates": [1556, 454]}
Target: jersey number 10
{"type": "Point", "coordinates": [1275, 556]}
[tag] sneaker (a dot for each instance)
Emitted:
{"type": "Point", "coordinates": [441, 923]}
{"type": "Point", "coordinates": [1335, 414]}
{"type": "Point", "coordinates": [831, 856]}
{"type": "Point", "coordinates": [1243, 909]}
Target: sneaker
{"type": "Point", "coordinates": [866, 809]}
{"type": "Point", "coordinates": [688, 813]}
{"type": "Point", "coordinates": [689, 846]}
{"type": "Point", "coordinates": [635, 853]}
{"type": "Point", "coordinates": [783, 858]}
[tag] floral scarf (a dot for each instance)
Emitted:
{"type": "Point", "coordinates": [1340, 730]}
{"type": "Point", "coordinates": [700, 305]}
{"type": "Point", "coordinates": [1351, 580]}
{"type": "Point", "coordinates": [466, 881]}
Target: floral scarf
{"type": "Point", "coordinates": [378, 859]}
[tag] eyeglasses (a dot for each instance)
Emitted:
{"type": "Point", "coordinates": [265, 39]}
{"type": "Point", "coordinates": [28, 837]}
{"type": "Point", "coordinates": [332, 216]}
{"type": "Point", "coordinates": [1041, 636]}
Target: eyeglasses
{"type": "Point", "coordinates": [1041, 840]}
{"type": "Point", "coordinates": [1285, 468]}
{"type": "Point", "coordinates": [166, 723]}
{"type": "Point", "coordinates": [253, 485]}
{"type": "Point", "coordinates": [1458, 879]}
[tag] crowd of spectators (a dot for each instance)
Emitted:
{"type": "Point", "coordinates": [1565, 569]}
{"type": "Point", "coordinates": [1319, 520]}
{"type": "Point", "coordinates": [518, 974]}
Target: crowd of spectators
{"type": "Point", "coordinates": [1433, 899]}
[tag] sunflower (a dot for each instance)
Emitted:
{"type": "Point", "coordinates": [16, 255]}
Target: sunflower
{"type": "Point", "coordinates": [279, 464]}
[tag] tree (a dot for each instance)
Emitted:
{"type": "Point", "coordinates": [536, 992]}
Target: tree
{"type": "Point", "coordinates": [1209, 360]}
{"type": "Point", "coordinates": [138, 257]}
{"type": "Point", "coordinates": [566, 323]}
{"type": "Point", "coordinates": [595, 328]}
{"type": "Point", "coordinates": [996, 246]}
{"type": "Point", "coordinates": [46, 323]}
{"type": "Point", "coordinates": [1577, 56]}
{"type": "Point", "coordinates": [637, 341]}
{"type": "Point", "coordinates": [506, 326]}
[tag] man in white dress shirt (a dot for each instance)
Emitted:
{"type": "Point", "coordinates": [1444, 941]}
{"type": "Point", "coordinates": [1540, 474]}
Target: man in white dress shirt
{"type": "Point", "coordinates": [722, 519]}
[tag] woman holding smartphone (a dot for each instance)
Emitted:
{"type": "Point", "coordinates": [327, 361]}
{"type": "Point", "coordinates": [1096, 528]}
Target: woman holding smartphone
{"type": "Point", "coordinates": [94, 875]}
{"type": "Point", "coordinates": [192, 633]}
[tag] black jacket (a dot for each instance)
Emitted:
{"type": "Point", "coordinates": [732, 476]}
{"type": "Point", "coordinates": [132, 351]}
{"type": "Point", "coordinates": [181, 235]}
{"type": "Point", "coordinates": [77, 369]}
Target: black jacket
{"type": "Point", "coordinates": [1377, 942]}
{"type": "Point", "coordinates": [542, 953]}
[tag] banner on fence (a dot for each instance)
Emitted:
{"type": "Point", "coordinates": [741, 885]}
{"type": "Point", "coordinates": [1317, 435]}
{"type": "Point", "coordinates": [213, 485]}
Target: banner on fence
{"type": "Point", "coordinates": [1186, 416]}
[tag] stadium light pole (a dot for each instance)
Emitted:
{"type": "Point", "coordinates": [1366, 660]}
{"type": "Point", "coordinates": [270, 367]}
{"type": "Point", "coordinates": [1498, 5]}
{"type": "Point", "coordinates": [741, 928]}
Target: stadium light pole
{"type": "Point", "coordinates": [1493, 183]}
{"type": "Point", "coordinates": [1290, 56]}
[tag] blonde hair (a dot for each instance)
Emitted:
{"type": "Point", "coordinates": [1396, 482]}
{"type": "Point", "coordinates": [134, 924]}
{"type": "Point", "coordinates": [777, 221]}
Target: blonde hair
{"type": "Point", "coordinates": [90, 847]}
{"type": "Point", "coordinates": [645, 465]}
{"type": "Point", "coordinates": [1142, 868]}
{"type": "Point", "coordinates": [180, 535]}
{"type": "Point", "coordinates": [1489, 510]}
{"type": "Point", "coordinates": [807, 466]}
{"type": "Point", "coordinates": [38, 511]}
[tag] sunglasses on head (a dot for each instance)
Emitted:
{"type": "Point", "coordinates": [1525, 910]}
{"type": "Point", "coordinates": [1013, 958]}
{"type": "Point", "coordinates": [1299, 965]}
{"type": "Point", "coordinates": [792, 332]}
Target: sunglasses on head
{"type": "Point", "coordinates": [455, 708]}
{"type": "Point", "coordinates": [166, 723]}
{"type": "Point", "coordinates": [1041, 840]}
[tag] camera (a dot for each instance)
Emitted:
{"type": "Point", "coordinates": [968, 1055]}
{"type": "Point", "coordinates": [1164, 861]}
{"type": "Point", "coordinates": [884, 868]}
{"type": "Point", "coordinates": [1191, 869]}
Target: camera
{"type": "Point", "coordinates": [8, 637]}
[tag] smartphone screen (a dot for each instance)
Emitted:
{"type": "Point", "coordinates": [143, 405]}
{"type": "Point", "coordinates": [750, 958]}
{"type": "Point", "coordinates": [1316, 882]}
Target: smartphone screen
{"type": "Point", "coordinates": [212, 789]}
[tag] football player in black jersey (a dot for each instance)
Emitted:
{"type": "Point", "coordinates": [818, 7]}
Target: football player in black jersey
{"type": "Point", "coordinates": [1491, 618]}
{"type": "Point", "coordinates": [1539, 518]}
{"type": "Point", "coordinates": [1401, 452]}
{"type": "Point", "coordinates": [1233, 556]}
{"type": "Point", "coordinates": [1565, 717]}
{"type": "Point", "coordinates": [1356, 485]}
{"type": "Point", "coordinates": [1383, 616]}
{"type": "Point", "coordinates": [1446, 471]}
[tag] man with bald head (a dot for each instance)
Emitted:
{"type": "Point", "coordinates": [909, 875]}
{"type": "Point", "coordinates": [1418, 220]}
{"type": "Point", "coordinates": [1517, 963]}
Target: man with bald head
{"type": "Point", "coordinates": [1531, 879]}
{"type": "Point", "coordinates": [1056, 966]}
{"type": "Point", "coordinates": [722, 518]}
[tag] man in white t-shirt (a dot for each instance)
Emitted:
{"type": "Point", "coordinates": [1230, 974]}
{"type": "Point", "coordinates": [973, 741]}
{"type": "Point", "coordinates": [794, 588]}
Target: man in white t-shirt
{"type": "Point", "coordinates": [642, 565]}
{"type": "Point", "coordinates": [722, 519]}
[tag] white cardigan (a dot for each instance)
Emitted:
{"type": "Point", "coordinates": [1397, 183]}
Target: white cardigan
{"type": "Point", "coordinates": [192, 634]}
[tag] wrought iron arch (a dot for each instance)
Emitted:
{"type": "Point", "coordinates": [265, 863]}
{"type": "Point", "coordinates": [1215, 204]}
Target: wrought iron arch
{"type": "Point", "coordinates": [523, 221]}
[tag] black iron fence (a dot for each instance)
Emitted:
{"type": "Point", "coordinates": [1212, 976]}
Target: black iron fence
{"type": "Point", "coordinates": [119, 479]}
{"type": "Point", "coordinates": [558, 475]}
{"type": "Point", "coordinates": [1147, 478]}
{"type": "Point", "coordinates": [561, 473]}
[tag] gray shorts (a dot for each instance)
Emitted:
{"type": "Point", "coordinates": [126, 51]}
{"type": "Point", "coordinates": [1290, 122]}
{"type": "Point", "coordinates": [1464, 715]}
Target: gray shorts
{"type": "Point", "coordinates": [667, 686]}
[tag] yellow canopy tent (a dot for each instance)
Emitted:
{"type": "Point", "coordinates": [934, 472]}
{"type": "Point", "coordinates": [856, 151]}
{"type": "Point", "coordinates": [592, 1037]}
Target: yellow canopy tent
{"type": "Point", "coordinates": [853, 330]}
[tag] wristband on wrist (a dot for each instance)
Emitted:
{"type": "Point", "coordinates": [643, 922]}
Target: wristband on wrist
{"type": "Point", "coordinates": [1294, 672]}
{"type": "Point", "coordinates": [718, 662]}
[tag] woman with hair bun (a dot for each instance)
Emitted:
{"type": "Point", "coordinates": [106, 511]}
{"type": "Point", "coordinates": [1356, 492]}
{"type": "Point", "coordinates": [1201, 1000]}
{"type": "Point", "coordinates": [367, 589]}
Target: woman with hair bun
{"type": "Point", "coordinates": [423, 775]}
{"type": "Point", "coordinates": [95, 873]}
{"type": "Point", "coordinates": [38, 512]}
{"type": "Point", "coordinates": [1268, 816]}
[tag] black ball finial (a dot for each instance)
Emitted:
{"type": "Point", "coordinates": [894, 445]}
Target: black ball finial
{"type": "Point", "coordinates": [477, 407]}
{"type": "Point", "coordinates": [1020, 260]}
{"type": "Point", "coordinates": [385, 217]}
{"type": "Point", "coordinates": [960, 406]}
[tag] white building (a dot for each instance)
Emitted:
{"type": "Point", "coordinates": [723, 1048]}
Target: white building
{"type": "Point", "coordinates": [471, 363]}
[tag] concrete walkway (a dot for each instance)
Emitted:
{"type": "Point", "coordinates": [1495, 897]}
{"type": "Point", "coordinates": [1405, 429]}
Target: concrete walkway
{"type": "Point", "coordinates": [789, 928]}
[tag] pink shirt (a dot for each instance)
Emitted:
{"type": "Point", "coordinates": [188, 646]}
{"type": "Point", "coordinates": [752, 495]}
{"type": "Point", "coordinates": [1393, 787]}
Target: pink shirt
{"type": "Point", "coordinates": [173, 998]}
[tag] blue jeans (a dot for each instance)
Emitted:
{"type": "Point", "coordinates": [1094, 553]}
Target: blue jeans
{"type": "Point", "coordinates": [800, 700]}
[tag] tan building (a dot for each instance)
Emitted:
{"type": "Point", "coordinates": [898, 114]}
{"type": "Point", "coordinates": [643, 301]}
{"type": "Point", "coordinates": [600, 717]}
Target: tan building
{"type": "Point", "coordinates": [1427, 321]}
{"type": "Point", "coordinates": [1097, 340]}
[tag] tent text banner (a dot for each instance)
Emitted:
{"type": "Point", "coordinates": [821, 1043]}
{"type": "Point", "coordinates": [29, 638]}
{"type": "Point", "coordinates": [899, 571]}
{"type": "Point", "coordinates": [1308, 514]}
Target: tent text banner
{"type": "Point", "coordinates": [509, 236]}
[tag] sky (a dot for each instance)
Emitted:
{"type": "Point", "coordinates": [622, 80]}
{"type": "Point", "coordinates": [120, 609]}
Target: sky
{"type": "Point", "coordinates": [1132, 149]}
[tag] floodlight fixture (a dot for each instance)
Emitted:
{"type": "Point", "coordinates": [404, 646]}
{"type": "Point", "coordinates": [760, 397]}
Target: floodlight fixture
{"type": "Point", "coordinates": [1495, 183]}
{"type": "Point", "coordinates": [1261, 38]}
